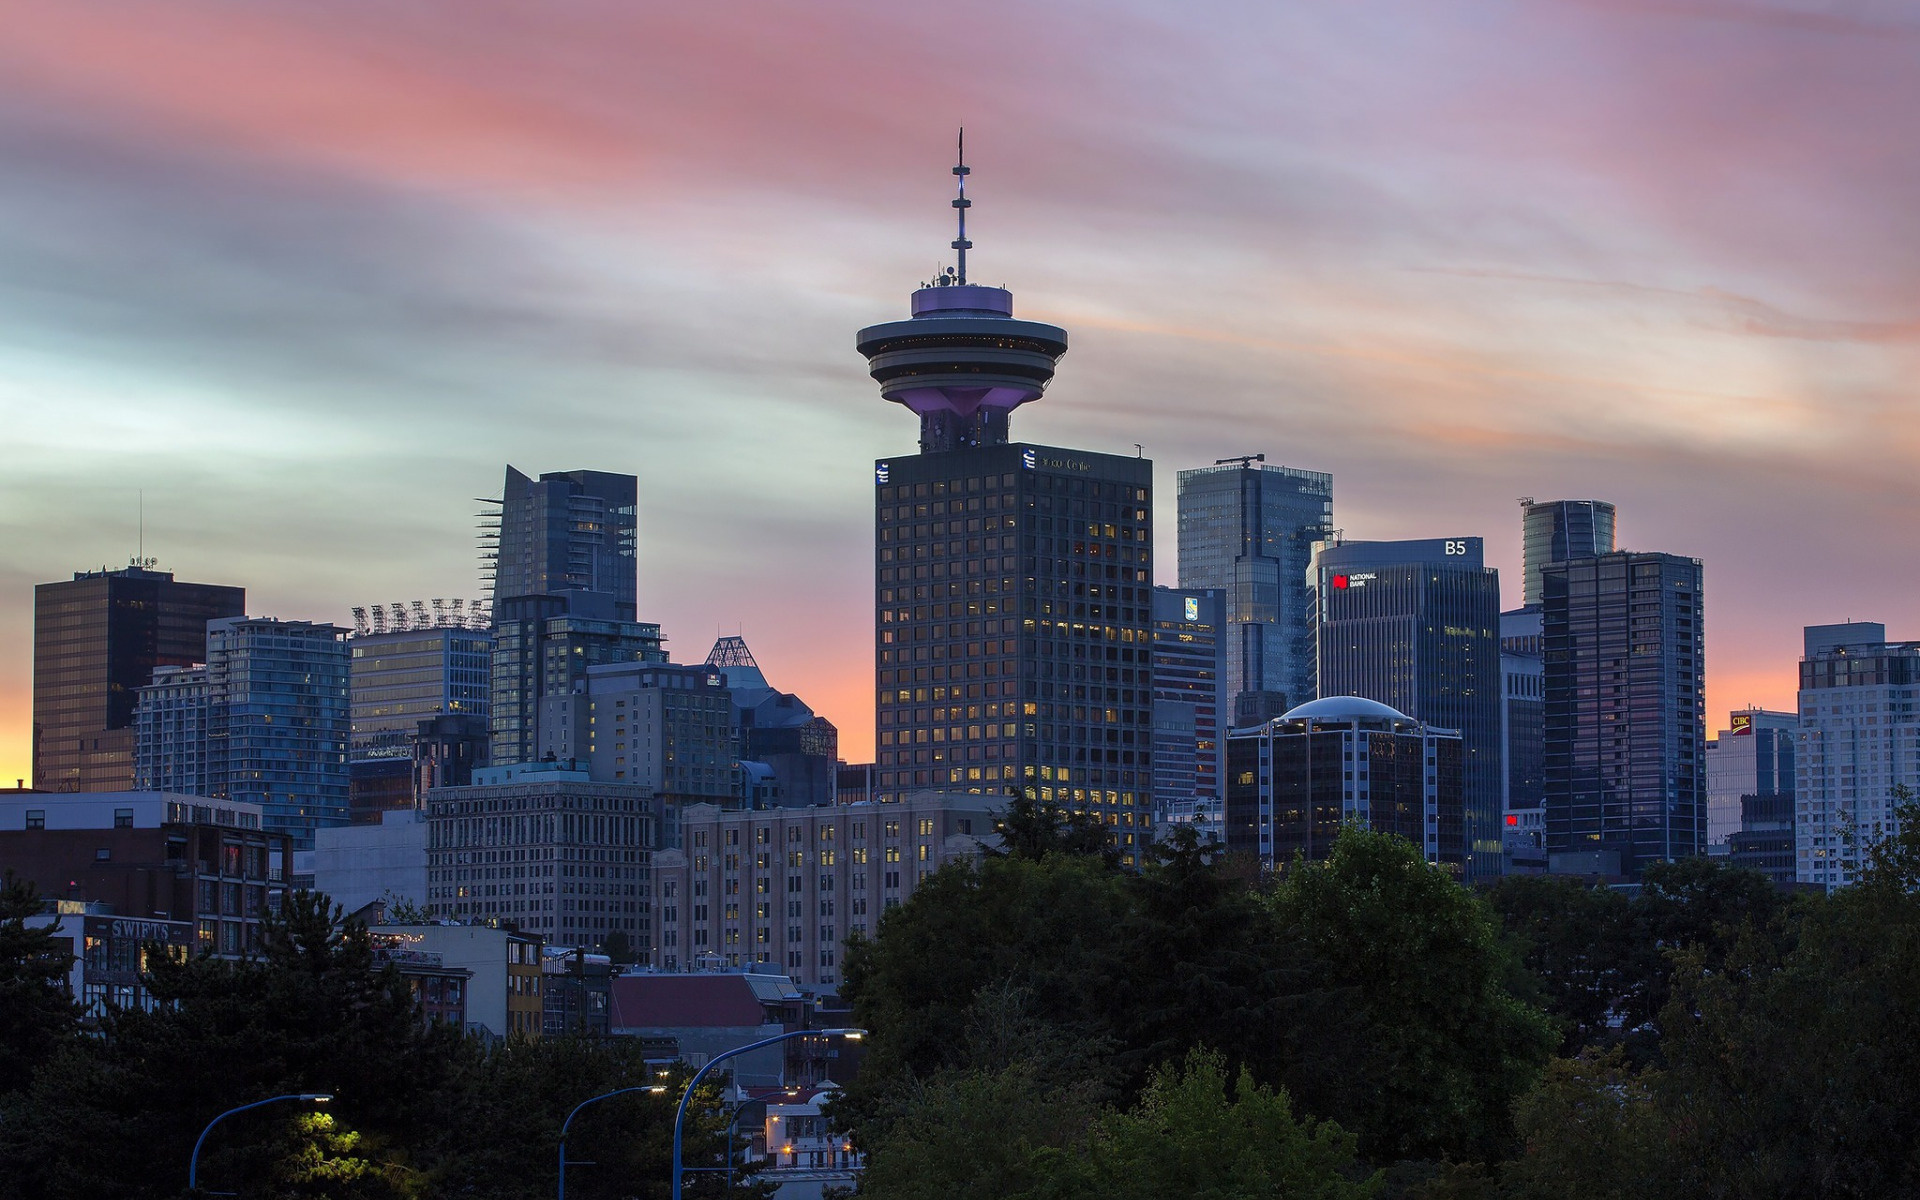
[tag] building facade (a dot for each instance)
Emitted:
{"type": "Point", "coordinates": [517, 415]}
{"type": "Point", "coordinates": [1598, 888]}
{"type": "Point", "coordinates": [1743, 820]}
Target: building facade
{"type": "Point", "coordinates": [1293, 782]}
{"type": "Point", "coordinates": [1859, 740]}
{"type": "Point", "coordinates": [398, 679]}
{"type": "Point", "coordinates": [1753, 756]}
{"type": "Point", "coordinates": [1190, 702]}
{"type": "Point", "coordinates": [568, 531]}
{"type": "Point", "coordinates": [785, 887]}
{"type": "Point", "coordinates": [542, 646]}
{"type": "Point", "coordinates": [153, 855]}
{"type": "Point", "coordinates": [777, 729]}
{"type": "Point", "coordinates": [544, 849]}
{"type": "Point", "coordinates": [97, 639]}
{"type": "Point", "coordinates": [1248, 529]}
{"type": "Point", "coordinates": [278, 720]}
{"type": "Point", "coordinates": [1415, 625]}
{"type": "Point", "coordinates": [1625, 732]}
{"type": "Point", "coordinates": [1554, 531]}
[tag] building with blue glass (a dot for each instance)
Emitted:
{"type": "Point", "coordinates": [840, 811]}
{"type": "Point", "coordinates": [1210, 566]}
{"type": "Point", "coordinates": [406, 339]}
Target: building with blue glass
{"type": "Point", "coordinates": [1247, 528]}
{"type": "Point", "coordinates": [1190, 703]}
{"type": "Point", "coordinates": [1415, 625]}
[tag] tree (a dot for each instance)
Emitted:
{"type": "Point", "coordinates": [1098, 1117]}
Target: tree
{"type": "Point", "coordinates": [1592, 1129]}
{"type": "Point", "coordinates": [1418, 1041]}
{"type": "Point", "coordinates": [1033, 829]}
{"type": "Point", "coordinates": [36, 1011]}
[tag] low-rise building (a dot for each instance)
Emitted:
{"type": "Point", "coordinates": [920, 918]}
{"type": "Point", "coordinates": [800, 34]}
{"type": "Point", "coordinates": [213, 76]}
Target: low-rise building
{"type": "Point", "coordinates": [153, 856]}
{"type": "Point", "coordinates": [705, 1014]}
{"type": "Point", "coordinates": [804, 1152]}
{"type": "Point", "coordinates": [110, 952]}
{"type": "Point", "coordinates": [355, 865]}
{"type": "Point", "coordinates": [504, 988]}
{"type": "Point", "coordinates": [780, 889]}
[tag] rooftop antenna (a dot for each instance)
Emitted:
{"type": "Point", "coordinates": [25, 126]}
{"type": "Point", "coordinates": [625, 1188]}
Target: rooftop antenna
{"type": "Point", "coordinates": [961, 204]}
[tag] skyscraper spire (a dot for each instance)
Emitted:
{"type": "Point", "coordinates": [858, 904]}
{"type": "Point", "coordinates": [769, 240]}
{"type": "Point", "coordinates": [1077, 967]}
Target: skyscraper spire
{"type": "Point", "coordinates": [961, 204]}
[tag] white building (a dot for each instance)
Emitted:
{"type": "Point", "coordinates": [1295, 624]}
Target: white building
{"type": "Point", "coordinates": [358, 864]}
{"type": "Point", "coordinates": [1859, 739]}
{"type": "Point", "coordinates": [1753, 756]}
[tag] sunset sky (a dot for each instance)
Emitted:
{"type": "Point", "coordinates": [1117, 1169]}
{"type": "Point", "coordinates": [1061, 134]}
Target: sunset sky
{"type": "Point", "coordinates": [310, 275]}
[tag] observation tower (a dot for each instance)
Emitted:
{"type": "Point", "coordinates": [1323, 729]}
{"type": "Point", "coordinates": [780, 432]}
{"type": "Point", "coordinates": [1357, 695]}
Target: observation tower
{"type": "Point", "coordinates": [962, 362]}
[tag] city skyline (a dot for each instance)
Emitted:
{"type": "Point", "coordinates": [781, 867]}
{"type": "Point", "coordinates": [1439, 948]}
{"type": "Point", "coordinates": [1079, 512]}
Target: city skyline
{"type": "Point", "coordinates": [311, 284]}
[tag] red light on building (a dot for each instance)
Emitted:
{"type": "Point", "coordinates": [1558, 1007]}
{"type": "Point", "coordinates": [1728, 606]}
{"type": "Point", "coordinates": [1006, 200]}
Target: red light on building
{"type": "Point", "coordinates": [1513, 819]}
{"type": "Point", "coordinates": [1339, 581]}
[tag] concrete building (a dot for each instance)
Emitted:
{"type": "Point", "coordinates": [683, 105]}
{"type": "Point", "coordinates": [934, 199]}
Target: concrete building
{"type": "Point", "coordinates": [544, 848]}
{"type": "Point", "coordinates": [1190, 701]}
{"type": "Point", "coordinates": [1013, 582]}
{"type": "Point", "coordinates": [1247, 529]}
{"type": "Point", "coordinates": [153, 856]}
{"type": "Point", "coordinates": [1625, 731]}
{"type": "Point", "coordinates": [1859, 740]}
{"type": "Point", "coordinates": [780, 889]}
{"type": "Point", "coordinates": [659, 726]}
{"type": "Point", "coordinates": [1556, 531]}
{"type": "Point", "coordinates": [1415, 625]}
{"type": "Point", "coordinates": [804, 1152]}
{"type": "Point", "coordinates": [1753, 756]}
{"type": "Point", "coordinates": [503, 989]}
{"type": "Point", "coordinates": [356, 865]}
{"type": "Point", "coordinates": [1293, 782]}
{"type": "Point", "coordinates": [97, 638]}
{"type": "Point", "coordinates": [171, 750]}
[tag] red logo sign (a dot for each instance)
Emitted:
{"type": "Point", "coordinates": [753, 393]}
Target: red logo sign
{"type": "Point", "coordinates": [1339, 581]}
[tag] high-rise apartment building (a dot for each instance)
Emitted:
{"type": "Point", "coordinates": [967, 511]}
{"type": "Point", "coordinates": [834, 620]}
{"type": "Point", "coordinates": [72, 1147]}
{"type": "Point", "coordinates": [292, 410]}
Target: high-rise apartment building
{"type": "Point", "coordinates": [96, 639]}
{"type": "Point", "coordinates": [1190, 708]}
{"type": "Point", "coordinates": [1416, 626]}
{"type": "Point", "coordinates": [568, 531]}
{"type": "Point", "coordinates": [1013, 582]}
{"type": "Point", "coordinates": [1859, 739]}
{"type": "Point", "coordinates": [1625, 770]}
{"type": "Point", "coordinates": [786, 887]}
{"type": "Point", "coordinates": [1753, 756]}
{"type": "Point", "coordinates": [661, 726]}
{"type": "Point", "coordinates": [1294, 781]}
{"type": "Point", "coordinates": [264, 722]}
{"type": "Point", "coordinates": [542, 646]}
{"type": "Point", "coordinates": [1557, 530]}
{"type": "Point", "coordinates": [1248, 529]}
{"type": "Point", "coordinates": [546, 848]}
{"type": "Point", "coordinates": [414, 668]}
{"type": "Point", "coordinates": [1523, 671]}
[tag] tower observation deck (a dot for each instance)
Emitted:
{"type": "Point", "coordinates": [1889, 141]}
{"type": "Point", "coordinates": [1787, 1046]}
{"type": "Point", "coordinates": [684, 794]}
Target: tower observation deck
{"type": "Point", "coordinates": [962, 362]}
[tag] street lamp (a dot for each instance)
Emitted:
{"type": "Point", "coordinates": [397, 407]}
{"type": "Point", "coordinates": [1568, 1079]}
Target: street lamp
{"type": "Point", "coordinates": [650, 1087]}
{"type": "Point", "coordinates": [193, 1163]}
{"type": "Point", "coordinates": [680, 1116]}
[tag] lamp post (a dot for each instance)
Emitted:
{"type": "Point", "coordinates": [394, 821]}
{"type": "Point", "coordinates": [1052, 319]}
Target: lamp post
{"type": "Point", "coordinates": [193, 1163]}
{"type": "Point", "coordinates": [680, 1116]}
{"type": "Point", "coordinates": [650, 1087]}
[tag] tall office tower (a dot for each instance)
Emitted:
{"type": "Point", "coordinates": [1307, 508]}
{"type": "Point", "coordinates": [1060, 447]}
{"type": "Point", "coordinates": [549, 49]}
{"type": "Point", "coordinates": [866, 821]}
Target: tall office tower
{"type": "Point", "coordinates": [542, 646]}
{"type": "Point", "coordinates": [1524, 712]}
{"type": "Point", "coordinates": [423, 664]}
{"type": "Point", "coordinates": [664, 727]}
{"type": "Point", "coordinates": [1013, 582]}
{"type": "Point", "coordinates": [1294, 781]}
{"type": "Point", "coordinates": [1416, 626]}
{"type": "Point", "coordinates": [278, 720]}
{"type": "Point", "coordinates": [1557, 530]}
{"type": "Point", "coordinates": [1859, 739]}
{"type": "Point", "coordinates": [568, 531]}
{"type": "Point", "coordinates": [96, 638]}
{"type": "Point", "coordinates": [777, 730]}
{"type": "Point", "coordinates": [1625, 712]}
{"type": "Point", "coordinates": [1248, 529]}
{"type": "Point", "coordinates": [1189, 697]}
{"type": "Point", "coordinates": [1753, 756]}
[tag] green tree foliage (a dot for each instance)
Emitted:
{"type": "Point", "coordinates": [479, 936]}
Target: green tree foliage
{"type": "Point", "coordinates": [1425, 1043]}
{"type": "Point", "coordinates": [1592, 1131]}
{"type": "Point", "coordinates": [35, 1010]}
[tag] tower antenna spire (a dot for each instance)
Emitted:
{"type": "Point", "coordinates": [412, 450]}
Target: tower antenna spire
{"type": "Point", "coordinates": [961, 204]}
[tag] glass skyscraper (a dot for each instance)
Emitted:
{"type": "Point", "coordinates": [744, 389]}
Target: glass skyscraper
{"type": "Point", "coordinates": [1859, 739]}
{"type": "Point", "coordinates": [1557, 530]}
{"type": "Point", "coordinates": [1190, 710]}
{"type": "Point", "coordinates": [1415, 625]}
{"type": "Point", "coordinates": [1248, 529]}
{"type": "Point", "coordinates": [1625, 717]}
{"type": "Point", "coordinates": [97, 639]}
{"type": "Point", "coordinates": [568, 531]}
{"type": "Point", "coordinates": [1013, 583]}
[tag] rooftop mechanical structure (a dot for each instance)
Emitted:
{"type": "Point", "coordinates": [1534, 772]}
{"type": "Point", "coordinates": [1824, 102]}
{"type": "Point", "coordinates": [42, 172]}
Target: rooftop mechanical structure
{"type": "Point", "coordinates": [962, 362]}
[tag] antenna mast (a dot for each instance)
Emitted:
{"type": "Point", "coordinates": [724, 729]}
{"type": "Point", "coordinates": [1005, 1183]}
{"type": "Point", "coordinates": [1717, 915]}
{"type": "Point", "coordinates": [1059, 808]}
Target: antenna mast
{"type": "Point", "coordinates": [961, 204]}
